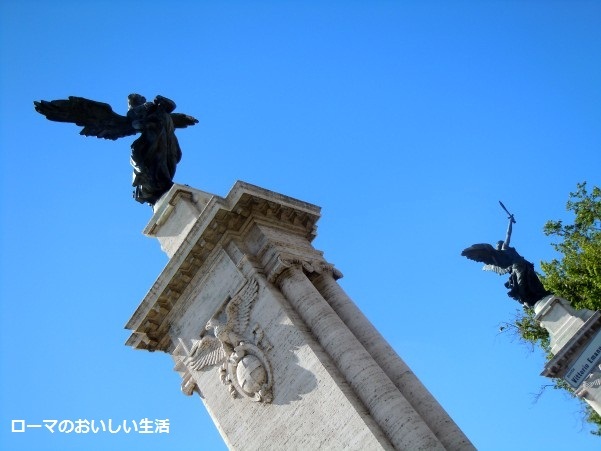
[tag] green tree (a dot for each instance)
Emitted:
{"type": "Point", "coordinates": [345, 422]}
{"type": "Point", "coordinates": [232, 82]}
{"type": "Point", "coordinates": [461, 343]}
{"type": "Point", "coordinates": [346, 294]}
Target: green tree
{"type": "Point", "coordinates": [576, 275]}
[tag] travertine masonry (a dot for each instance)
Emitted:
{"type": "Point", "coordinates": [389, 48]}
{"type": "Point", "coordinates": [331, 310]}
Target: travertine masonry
{"type": "Point", "coordinates": [258, 327]}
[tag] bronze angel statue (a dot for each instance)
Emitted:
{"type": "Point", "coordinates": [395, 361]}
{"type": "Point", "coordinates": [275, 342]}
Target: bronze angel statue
{"type": "Point", "coordinates": [523, 284]}
{"type": "Point", "coordinates": [154, 155]}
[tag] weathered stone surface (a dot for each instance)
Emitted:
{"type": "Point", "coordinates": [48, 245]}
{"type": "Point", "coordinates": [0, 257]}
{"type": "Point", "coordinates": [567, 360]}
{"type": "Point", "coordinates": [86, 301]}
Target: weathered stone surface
{"type": "Point", "coordinates": [560, 319]}
{"type": "Point", "coordinates": [174, 215]}
{"type": "Point", "coordinates": [312, 406]}
{"type": "Point", "coordinates": [299, 366]}
{"type": "Point", "coordinates": [395, 368]}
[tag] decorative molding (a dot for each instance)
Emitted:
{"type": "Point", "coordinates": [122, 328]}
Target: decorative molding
{"type": "Point", "coordinates": [592, 381]}
{"type": "Point", "coordinates": [308, 266]}
{"type": "Point", "coordinates": [245, 368]}
{"type": "Point", "coordinates": [189, 385]}
{"type": "Point", "coordinates": [247, 372]}
{"type": "Point", "coordinates": [150, 330]}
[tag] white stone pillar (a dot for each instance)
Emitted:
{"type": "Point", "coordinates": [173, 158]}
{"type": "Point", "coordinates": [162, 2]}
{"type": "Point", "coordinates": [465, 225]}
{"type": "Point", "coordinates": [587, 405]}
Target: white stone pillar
{"type": "Point", "coordinates": [174, 215]}
{"type": "Point", "coordinates": [393, 413]}
{"type": "Point", "coordinates": [395, 368]}
{"type": "Point", "coordinates": [561, 321]}
{"type": "Point", "coordinates": [575, 338]}
{"type": "Point", "coordinates": [276, 364]}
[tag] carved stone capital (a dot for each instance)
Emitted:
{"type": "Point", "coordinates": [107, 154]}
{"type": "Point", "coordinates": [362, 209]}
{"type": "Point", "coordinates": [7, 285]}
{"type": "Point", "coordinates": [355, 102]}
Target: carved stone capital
{"type": "Point", "coordinates": [308, 266]}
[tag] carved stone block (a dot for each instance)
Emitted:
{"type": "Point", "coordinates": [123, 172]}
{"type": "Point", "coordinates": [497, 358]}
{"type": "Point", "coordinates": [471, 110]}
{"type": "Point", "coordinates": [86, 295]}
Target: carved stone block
{"type": "Point", "coordinates": [257, 326]}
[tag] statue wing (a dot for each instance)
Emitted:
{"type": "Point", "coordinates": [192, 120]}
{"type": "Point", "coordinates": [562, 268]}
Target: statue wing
{"type": "Point", "coordinates": [182, 120]}
{"type": "Point", "coordinates": [205, 352]}
{"type": "Point", "coordinates": [493, 259]}
{"type": "Point", "coordinates": [238, 309]}
{"type": "Point", "coordinates": [97, 118]}
{"type": "Point", "coordinates": [498, 269]}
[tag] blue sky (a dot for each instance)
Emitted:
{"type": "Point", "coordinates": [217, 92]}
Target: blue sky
{"type": "Point", "coordinates": [406, 122]}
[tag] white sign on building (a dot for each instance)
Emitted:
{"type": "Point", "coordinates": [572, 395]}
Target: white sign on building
{"type": "Point", "coordinates": [585, 363]}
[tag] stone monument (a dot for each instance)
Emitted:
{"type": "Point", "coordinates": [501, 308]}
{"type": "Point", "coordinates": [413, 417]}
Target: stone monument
{"type": "Point", "coordinates": [575, 335]}
{"type": "Point", "coordinates": [261, 331]}
{"type": "Point", "coordinates": [251, 312]}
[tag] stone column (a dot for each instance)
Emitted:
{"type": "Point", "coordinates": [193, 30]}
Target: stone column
{"type": "Point", "coordinates": [261, 332]}
{"type": "Point", "coordinates": [393, 413]}
{"type": "Point", "coordinates": [395, 368]}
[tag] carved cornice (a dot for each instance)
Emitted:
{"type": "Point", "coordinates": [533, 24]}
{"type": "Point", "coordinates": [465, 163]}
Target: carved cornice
{"type": "Point", "coordinates": [221, 217]}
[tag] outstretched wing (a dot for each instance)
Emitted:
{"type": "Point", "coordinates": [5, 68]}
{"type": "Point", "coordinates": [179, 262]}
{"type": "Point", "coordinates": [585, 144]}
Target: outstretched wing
{"type": "Point", "coordinates": [205, 352]}
{"type": "Point", "coordinates": [183, 120]}
{"type": "Point", "coordinates": [97, 118]}
{"type": "Point", "coordinates": [498, 269]}
{"type": "Point", "coordinates": [493, 259]}
{"type": "Point", "coordinates": [238, 309]}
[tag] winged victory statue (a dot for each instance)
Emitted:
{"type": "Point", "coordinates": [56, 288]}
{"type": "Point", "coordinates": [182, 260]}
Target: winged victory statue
{"type": "Point", "coordinates": [523, 284]}
{"type": "Point", "coordinates": [154, 154]}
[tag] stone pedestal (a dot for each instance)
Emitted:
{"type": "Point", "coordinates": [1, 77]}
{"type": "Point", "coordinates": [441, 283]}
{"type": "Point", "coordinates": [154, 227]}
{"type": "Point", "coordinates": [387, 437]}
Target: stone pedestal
{"type": "Point", "coordinates": [576, 346]}
{"type": "Point", "coordinates": [259, 328]}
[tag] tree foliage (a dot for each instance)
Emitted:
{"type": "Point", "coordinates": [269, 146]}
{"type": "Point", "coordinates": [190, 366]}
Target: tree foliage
{"type": "Point", "coordinates": [531, 330]}
{"type": "Point", "coordinates": [576, 275]}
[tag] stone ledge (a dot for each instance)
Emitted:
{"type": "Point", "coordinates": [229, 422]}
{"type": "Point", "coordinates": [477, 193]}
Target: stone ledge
{"type": "Point", "coordinates": [244, 202]}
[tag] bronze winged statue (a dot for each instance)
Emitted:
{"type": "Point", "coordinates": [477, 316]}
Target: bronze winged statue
{"type": "Point", "coordinates": [154, 155]}
{"type": "Point", "coordinates": [523, 284]}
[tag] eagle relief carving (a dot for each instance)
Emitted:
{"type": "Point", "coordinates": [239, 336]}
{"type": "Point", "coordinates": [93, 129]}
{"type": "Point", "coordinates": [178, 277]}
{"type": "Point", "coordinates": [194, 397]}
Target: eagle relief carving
{"type": "Point", "coordinates": [244, 369]}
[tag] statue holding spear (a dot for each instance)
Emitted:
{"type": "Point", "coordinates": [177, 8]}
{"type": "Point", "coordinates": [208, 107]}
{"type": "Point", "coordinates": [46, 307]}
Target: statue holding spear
{"type": "Point", "coordinates": [523, 284]}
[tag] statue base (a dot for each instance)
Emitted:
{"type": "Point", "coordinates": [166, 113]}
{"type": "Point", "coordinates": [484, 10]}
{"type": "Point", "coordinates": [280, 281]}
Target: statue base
{"type": "Point", "coordinates": [576, 347]}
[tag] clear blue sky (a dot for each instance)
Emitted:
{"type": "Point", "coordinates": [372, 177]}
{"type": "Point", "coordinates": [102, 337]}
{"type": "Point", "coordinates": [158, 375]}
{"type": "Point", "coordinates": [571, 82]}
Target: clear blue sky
{"type": "Point", "coordinates": [405, 121]}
